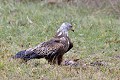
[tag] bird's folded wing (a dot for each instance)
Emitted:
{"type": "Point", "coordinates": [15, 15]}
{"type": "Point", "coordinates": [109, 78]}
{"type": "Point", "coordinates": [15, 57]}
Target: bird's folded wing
{"type": "Point", "coordinates": [49, 47]}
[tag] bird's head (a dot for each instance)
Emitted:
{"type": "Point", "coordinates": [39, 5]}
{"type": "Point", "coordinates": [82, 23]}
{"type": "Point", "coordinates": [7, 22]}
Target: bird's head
{"type": "Point", "coordinates": [65, 27]}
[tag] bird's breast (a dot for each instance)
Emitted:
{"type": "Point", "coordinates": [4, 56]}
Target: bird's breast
{"type": "Point", "coordinates": [65, 42]}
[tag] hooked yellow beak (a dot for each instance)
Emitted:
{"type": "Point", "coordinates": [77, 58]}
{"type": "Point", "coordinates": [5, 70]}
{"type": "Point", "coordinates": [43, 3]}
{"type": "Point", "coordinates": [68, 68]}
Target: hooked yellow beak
{"type": "Point", "coordinates": [72, 29]}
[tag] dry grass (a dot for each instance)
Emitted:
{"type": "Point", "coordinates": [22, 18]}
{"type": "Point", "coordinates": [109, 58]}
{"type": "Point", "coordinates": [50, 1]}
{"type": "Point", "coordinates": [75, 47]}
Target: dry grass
{"type": "Point", "coordinates": [96, 41]}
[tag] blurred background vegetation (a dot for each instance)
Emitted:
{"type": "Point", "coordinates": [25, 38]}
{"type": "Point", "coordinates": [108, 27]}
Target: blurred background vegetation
{"type": "Point", "coordinates": [105, 6]}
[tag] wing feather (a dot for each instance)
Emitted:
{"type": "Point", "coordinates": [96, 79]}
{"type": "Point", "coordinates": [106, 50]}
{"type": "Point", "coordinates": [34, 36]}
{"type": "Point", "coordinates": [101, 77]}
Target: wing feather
{"type": "Point", "coordinates": [49, 47]}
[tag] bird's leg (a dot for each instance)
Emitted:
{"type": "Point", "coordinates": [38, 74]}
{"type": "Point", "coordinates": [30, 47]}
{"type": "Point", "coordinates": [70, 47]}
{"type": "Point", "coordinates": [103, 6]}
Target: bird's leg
{"type": "Point", "coordinates": [54, 60]}
{"type": "Point", "coordinates": [50, 61]}
{"type": "Point", "coordinates": [59, 59]}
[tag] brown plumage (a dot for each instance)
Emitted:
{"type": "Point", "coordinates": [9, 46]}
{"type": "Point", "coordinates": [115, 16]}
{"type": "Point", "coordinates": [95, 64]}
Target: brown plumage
{"type": "Point", "coordinates": [52, 50]}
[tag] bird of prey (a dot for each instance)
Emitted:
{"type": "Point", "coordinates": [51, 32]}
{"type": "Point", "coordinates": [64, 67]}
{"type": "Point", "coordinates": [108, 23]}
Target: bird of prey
{"type": "Point", "coordinates": [52, 50]}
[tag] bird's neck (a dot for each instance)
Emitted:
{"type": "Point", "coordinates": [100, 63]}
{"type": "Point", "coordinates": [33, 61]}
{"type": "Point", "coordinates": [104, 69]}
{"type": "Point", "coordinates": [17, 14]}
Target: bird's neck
{"type": "Point", "coordinates": [62, 33]}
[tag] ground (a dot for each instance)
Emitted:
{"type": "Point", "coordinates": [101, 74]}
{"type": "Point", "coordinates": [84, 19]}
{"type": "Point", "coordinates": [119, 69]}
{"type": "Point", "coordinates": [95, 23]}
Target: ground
{"type": "Point", "coordinates": [96, 41]}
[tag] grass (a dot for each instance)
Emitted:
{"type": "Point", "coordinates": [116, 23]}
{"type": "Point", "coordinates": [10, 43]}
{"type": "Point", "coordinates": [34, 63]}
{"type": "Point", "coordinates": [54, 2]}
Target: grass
{"type": "Point", "coordinates": [96, 38]}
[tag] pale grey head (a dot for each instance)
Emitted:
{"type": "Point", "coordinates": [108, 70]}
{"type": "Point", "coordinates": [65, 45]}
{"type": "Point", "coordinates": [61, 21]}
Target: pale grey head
{"type": "Point", "coordinates": [64, 28]}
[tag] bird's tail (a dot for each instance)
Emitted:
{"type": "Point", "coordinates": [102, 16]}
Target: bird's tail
{"type": "Point", "coordinates": [27, 55]}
